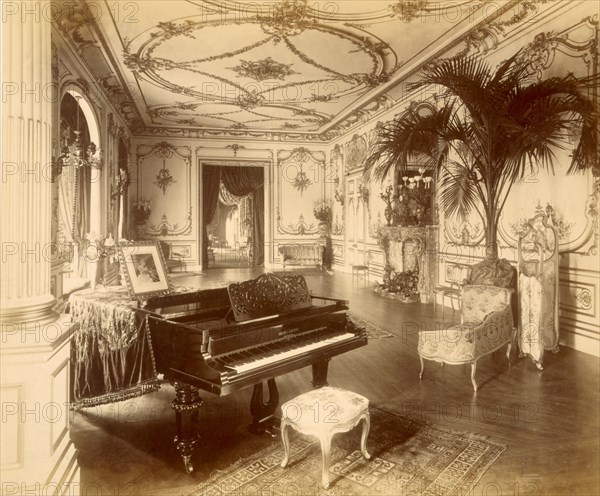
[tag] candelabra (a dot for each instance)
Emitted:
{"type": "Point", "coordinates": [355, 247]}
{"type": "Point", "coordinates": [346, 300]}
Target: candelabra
{"type": "Point", "coordinates": [388, 197]}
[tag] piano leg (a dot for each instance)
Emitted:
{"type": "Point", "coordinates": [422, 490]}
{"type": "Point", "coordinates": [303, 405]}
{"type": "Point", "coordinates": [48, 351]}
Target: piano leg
{"type": "Point", "coordinates": [186, 404]}
{"type": "Point", "coordinates": [263, 414]}
{"type": "Point", "coordinates": [319, 370]}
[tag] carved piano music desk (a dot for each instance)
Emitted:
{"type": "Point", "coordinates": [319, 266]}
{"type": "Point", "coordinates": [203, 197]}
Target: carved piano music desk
{"type": "Point", "coordinates": [226, 339]}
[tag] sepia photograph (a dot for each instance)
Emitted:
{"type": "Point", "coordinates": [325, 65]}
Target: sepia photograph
{"type": "Point", "coordinates": [144, 268]}
{"type": "Point", "coordinates": [300, 247]}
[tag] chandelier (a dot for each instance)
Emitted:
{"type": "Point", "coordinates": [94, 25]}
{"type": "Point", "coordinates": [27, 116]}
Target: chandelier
{"type": "Point", "coordinates": [74, 155]}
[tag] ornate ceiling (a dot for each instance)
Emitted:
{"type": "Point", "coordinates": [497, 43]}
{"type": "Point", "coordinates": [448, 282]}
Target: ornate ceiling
{"type": "Point", "coordinates": [277, 67]}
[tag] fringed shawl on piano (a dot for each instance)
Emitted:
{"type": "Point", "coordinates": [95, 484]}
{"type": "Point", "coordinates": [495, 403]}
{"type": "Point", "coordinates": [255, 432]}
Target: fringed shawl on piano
{"type": "Point", "coordinates": [111, 351]}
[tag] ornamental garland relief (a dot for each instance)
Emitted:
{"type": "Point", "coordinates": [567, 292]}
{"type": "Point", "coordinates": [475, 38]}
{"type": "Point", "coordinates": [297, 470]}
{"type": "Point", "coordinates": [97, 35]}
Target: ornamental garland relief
{"type": "Point", "coordinates": [263, 89]}
{"type": "Point", "coordinates": [300, 179]}
{"type": "Point", "coordinates": [164, 174]}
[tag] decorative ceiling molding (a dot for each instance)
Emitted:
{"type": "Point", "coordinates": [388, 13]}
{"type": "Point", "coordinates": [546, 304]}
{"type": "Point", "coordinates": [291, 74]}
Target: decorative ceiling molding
{"type": "Point", "coordinates": [76, 24]}
{"type": "Point", "coordinates": [292, 70]}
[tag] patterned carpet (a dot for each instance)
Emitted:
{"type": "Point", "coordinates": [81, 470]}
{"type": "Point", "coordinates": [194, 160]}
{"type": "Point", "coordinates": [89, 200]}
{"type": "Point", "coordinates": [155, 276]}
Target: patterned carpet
{"type": "Point", "coordinates": [373, 331]}
{"type": "Point", "coordinates": [407, 457]}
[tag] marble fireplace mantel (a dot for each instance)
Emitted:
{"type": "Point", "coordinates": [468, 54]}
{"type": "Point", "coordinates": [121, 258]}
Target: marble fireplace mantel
{"type": "Point", "coordinates": [393, 239]}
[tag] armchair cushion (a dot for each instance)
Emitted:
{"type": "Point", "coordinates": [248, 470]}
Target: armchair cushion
{"type": "Point", "coordinates": [171, 263]}
{"type": "Point", "coordinates": [480, 300]}
{"type": "Point", "coordinates": [467, 342]}
{"type": "Point", "coordinates": [487, 325]}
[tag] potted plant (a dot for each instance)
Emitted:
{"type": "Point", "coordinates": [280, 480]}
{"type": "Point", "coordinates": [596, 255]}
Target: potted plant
{"type": "Point", "coordinates": [323, 212]}
{"type": "Point", "coordinates": [486, 133]}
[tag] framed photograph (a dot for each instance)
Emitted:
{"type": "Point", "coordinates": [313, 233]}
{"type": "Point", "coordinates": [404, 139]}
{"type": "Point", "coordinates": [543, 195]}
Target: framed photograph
{"type": "Point", "coordinates": [145, 269]}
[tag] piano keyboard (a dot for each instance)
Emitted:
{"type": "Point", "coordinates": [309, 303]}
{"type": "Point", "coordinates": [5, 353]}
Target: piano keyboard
{"type": "Point", "coordinates": [251, 362]}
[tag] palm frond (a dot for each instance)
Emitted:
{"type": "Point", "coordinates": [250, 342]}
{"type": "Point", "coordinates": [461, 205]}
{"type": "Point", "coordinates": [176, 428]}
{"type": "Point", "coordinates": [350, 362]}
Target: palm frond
{"type": "Point", "coordinates": [410, 135]}
{"type": "Point", "coordinates": [457, 190]}
{"type": "Point", "coordinates": [499, 123]}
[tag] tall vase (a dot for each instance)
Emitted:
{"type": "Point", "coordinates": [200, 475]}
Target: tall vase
{"type": "Point", "coordinates": [389, 214]}
{"type": "Point", "coordinates": [92, 272]}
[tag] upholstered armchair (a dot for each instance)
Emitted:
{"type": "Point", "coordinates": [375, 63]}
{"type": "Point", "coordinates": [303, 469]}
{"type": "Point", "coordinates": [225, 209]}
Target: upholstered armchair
{"type": "Point", "coordinates": [171, 260]}
{"type": "Point", "coordinates": [486, 325]}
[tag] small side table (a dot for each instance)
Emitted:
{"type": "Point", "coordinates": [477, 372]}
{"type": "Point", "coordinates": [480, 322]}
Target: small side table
{"type": "Point", "coordinates": [322, 413]}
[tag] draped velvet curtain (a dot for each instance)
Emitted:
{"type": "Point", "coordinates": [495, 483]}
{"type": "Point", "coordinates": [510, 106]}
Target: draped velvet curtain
{"type": "Point", "coordinates": [122, 214]}
{"type": "Point", "coordinates": [211, 181]}
{"type": "Point", "coordinates": [72, 119]}
{"type": "Point", "coordinates": [239, 181]}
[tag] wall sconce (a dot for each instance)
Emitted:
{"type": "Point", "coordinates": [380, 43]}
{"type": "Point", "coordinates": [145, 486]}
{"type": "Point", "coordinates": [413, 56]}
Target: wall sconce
{"type": "Point", "coordinates": [363, 192]}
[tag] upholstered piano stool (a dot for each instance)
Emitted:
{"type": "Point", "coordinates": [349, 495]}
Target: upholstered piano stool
{"type": "Point", "coordinates": [322, 413]}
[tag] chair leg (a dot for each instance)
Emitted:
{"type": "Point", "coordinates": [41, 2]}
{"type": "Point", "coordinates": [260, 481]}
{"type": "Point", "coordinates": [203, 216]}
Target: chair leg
{"type": "Point", "coordinates": [363, 437]}
{"type": "Point", "coordinates": [473, 369]}
{"type": "Point", "coordinates": [422, 367]}
{"type": "Point", "coordinates": [508, 349]}
{"type": "Point", "coordinates": [326, 451]}
{"type": "Point", "coordinates": [286, 444]}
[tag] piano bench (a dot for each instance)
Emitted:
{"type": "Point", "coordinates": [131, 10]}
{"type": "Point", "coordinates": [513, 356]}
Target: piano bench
{"type": "Point", "coordinates": [322, 413]}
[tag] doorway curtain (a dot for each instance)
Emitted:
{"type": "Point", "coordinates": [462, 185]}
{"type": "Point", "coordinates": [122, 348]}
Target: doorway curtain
{"type": "Point", "coordinates": [239, 181]}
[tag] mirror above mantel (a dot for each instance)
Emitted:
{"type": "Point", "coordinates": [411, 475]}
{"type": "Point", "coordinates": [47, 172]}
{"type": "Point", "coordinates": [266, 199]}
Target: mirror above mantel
{"type": "Point", "coordinates": [410, 201]}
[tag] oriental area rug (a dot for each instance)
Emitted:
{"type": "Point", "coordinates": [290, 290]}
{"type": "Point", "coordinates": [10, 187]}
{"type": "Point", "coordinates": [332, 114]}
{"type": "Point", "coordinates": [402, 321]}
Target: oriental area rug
{"type": "Point", "coordinates": [407, 458]}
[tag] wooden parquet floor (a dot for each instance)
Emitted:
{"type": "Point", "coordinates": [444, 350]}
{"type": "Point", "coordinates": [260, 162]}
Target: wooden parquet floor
{"type": "Point", "coordinates": [548, 420]}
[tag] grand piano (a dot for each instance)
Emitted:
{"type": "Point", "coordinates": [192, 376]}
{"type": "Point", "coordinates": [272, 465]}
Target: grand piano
{"type": "Point", "coordinates": [226, 339]}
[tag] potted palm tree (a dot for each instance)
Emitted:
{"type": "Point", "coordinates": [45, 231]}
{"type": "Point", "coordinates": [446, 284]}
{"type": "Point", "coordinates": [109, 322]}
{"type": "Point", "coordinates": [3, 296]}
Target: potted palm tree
{"type": "Point", "coordinates": [485, 134]}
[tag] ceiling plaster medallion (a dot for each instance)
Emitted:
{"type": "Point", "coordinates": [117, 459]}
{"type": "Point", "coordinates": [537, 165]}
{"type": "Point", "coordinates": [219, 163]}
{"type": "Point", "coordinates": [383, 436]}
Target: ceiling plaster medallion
{"type": "Point", "coordinates": [261, 70]}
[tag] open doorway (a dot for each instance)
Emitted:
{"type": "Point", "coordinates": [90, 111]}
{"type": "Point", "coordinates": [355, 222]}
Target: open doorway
{"type": "Point", "coordinates": [230, 231]}
{"type": "Point", "coordinates": [233, 216]}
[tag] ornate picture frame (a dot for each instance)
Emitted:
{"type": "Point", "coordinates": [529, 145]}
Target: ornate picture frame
{"type": "Point", "coordinates": [145, 269]}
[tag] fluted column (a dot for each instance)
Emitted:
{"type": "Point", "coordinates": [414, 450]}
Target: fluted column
{"type": "Point", "coordinates": [26, 171]}
{"type": "Point", "coordinates": [37, 455]}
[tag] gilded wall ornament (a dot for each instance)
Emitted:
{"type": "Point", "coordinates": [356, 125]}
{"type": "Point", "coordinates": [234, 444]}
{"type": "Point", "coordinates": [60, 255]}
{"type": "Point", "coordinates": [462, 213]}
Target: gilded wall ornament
{"type": "Point", "coordinates": [300, 228]}
{"type": "Point", "coordinates": [301, 181]}
{"type": "Point", "coordinates": [165, 228]}
{"type": "Point", "coordinates": [236, 147]}
{"type": "Point", "coordinates": [584, 299]}
{"type": "Point", "coordinates": [356, 152]}
{"type": "Point", "coordinates": [164, 179]}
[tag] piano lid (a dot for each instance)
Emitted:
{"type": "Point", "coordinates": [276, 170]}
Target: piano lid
{"type": "Point", "coordinates": [267, 295]}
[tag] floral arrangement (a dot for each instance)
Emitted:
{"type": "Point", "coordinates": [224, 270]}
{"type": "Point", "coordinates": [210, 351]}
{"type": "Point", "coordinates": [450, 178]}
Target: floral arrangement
{"type": "Point", "coordinates": [323, 211]}
{"type": "Point", "coordinates": [141, 210]}
{"type": "Point", "coordinates": [96, 247]}
{"type": "Point", "coordinates": [401, 285]}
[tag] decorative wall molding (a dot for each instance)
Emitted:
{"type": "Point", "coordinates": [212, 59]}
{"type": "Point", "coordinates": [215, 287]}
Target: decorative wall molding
{"type": "Point", "coordinates": [171, 154]}
{"type": "Point", "coordinates": [299, 174]}
{"type": "Point", "coordinates": [300, 228]}
{"type": "Point", "coordinates": [356, 153]}
{"type": "Point", "coordinates": [165, 228]}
